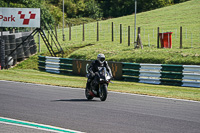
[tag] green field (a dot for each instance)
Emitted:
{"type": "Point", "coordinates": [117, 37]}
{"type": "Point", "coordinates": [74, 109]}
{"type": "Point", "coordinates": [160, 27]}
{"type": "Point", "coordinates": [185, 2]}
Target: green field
{"type": "Point", "coordinates": [169, 19]}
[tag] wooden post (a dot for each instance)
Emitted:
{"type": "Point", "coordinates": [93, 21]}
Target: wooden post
{"type": "Point", "coordinates": [97, 31]}
{"type": "Point", "coordinates": [70, 37]}
{"type": "Point", "coordinates": [181, 37]}
{"type": "Point", "coordinates": [138, 37]}
{"type": "Point", "coordinates": [128, 35]}
{"type": "Point", "coordinates": [120, 33]}
{"type": "Point", "coordinates": [83, 32]}
{"type": "Point", "coordinates": [158, 38]}
{"type": "Point", "coordinates": [112, 32]}
{"type": "Point", "coordinates": [139, 41]}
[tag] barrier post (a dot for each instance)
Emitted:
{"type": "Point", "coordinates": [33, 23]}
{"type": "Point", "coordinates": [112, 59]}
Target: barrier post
{"type": "Point", "coordinates": [70, 32]}
{"type": "Point", "coordinates": [97, 31]}
{"type": "Point", "coordinates": [120, 33]}
{"type": "Point", "coordinates": [158, 38]}
{"type": "Point", "coordinates": [128, 35]}
{"type": "Point", "coordinates": [112, 33]}
{"type": "Point", "coordinates": [181, 37]}
{"type": "Point", "coordinates": [83, 32]}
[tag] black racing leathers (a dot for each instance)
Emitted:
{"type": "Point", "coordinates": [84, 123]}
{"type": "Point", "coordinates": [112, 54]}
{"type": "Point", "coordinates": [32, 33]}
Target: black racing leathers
{"type": "Point", "coordinates": [93, 69]}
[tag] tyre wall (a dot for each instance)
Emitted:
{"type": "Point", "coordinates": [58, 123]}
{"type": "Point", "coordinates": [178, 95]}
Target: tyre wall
{"type": "Point", "coordinates": [9, 54]}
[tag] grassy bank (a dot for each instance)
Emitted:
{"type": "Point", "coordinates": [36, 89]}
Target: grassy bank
{"type": "Point", "coordinates": [38, 77]}
{"type": "Point", "coordinates": [168, 19]}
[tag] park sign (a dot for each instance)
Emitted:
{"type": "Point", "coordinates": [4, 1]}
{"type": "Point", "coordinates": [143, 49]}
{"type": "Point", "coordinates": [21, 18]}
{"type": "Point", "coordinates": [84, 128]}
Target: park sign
{"type": "Point", "coordinates": [19, 17]}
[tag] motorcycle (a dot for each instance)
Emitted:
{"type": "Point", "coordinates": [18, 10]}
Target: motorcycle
{"type": "Point", "coordinates": [99, 88]}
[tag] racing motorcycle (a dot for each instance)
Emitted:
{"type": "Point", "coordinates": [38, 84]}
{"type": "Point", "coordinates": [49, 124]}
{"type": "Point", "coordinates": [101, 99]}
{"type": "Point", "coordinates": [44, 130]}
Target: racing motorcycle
{"type": "Point", "coordinates": [99, 88]}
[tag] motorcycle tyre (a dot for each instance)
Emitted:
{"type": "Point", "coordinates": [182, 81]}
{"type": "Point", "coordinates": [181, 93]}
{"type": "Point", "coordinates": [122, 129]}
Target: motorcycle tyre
{"type": "Point", "coordinates": [103, 92]}
{"type": "Point", "coordinates": [87, 95]}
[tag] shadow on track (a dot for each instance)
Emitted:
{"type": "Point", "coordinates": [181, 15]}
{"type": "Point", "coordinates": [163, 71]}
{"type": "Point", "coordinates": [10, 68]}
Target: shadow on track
{"type": "Point", "coordinates": [74, 100]}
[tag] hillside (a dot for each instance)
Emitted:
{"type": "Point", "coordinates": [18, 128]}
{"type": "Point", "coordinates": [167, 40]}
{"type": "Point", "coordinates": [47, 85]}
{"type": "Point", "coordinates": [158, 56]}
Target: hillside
{"type": "Point", "coordinates": [168, 19]}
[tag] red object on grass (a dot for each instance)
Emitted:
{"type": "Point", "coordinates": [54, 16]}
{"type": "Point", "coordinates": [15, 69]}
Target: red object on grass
{"type": "Point", "coordinates": [166, 39]}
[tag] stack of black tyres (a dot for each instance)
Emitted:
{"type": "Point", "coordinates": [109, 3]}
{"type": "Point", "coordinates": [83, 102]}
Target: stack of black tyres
{"type": "Point", "coordinates": [7, 45]}
{"type": "Point", "coordinates": [10, 42]}
{"type": "Point", "coordinates": [12, 47]}
{"type": "Point", "coordinates": [32, 44]}
{"type": "Point", "coordinates": [2, 53]}
{"type": "Point", "coordinates": [20, 50]}
{"type": "Point", "coordinates": [7, 51]}
{"type": "Point", "coordinates": [26, 46]}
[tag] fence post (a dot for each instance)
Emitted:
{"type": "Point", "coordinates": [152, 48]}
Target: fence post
{"type": "Point", "coordinates": [181, 37]}
{"type": "Point", "coordinates": [97, 31]}
{"type": "Point", "coordinates": [128, 35]}
{"type": "Point", "coordinates": [112, 32]}
{"type": "Point", "coordinates": [70, 32]}
{"type": "Point", "coordinates": [83, 32]}
{"type": "Point", "coordinates": [158, 38]}
{"type": "Point", "coordinates": [120, 33]}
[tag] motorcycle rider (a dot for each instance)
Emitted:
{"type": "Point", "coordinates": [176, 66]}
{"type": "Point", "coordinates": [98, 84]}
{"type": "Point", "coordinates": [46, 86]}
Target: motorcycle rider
{"type": "Point", "coordinates": [93, 69]}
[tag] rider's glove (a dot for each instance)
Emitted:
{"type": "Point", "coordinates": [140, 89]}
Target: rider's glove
{"type": "Point", "coordinates": [97, 74]}
{"type": "Point", "coordinates": [92, 74]}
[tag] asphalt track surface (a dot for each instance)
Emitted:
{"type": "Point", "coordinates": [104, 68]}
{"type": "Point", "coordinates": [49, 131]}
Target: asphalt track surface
{"type": "Point", "coordinates": [120, 113]}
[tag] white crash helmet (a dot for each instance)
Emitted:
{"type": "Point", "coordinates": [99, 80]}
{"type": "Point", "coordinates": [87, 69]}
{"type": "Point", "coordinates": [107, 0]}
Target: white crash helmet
{"type": "Point", "coordinates": [101, 58]}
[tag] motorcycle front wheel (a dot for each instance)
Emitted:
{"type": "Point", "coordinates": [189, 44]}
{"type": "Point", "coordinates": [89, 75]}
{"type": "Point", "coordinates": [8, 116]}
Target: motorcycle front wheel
{"type": "Point", "coordinates": [103, 92]}
{"type": "Point", "coordinates": [87, 94]}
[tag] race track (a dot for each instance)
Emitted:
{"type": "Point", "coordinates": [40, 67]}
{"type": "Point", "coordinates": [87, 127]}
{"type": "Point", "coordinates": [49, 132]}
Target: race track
{"type": "Point", "coordinates": [120, 113]}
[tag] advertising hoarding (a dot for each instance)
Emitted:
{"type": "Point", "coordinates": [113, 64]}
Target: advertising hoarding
{"type": "Point", "coordinates": [19, 17]}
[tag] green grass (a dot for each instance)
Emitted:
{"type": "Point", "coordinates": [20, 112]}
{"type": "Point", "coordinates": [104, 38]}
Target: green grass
{"type": "Point", "coordinates": [38, 77]}
{"type": "Point", "coordinates": [168, 19]}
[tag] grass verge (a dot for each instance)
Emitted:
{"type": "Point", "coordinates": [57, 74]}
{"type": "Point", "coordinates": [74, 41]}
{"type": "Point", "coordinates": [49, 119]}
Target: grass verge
{"type": "Point", "coordinates": [38, 77]}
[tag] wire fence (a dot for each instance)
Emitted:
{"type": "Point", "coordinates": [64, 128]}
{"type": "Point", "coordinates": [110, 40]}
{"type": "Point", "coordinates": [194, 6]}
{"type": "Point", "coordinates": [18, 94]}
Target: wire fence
{"type": "Point", "coordinates": [94, 32]}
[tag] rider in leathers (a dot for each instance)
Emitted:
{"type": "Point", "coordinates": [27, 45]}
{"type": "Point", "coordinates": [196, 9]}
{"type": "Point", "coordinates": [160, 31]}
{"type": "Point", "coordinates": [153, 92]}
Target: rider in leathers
{"type": "Point", "coordinates": [93, 69]}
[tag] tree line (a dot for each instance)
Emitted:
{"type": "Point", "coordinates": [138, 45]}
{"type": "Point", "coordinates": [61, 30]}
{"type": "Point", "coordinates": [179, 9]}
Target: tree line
{"type": "Point", "coordinates": [109, 8]}
{"type": "Point", "coordinates": [96, 9]}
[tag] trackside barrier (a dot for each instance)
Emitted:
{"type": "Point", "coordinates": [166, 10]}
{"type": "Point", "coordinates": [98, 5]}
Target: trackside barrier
{"type": "Point", "coordinates": [161, 74]}
{"type": "Point", "coordinates": [55, 64]}
{"type": "Point", "coordinates": [191, 75]}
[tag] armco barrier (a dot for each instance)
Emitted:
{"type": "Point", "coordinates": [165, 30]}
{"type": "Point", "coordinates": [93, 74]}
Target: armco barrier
{"type": "Point", "coordinates": [163, 74]}
{"type": "Point", "coordinates": [178, 75]}
{"type": "Point", "coordinates": [55, 64]}
{"type": "Point", "coordinates": [191, 75]}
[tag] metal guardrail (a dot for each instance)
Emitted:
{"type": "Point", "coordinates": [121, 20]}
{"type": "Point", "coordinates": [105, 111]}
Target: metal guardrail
{"type": "Point", "coordinates": [163, 74]}
{"type": "Point", "coordinates": [55, 64]}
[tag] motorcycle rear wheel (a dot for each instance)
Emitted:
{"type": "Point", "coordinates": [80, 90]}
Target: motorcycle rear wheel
{"type": "Point", "coordinates": [87, 94]}
{"type": "Point", "coordinates": [103, 92]}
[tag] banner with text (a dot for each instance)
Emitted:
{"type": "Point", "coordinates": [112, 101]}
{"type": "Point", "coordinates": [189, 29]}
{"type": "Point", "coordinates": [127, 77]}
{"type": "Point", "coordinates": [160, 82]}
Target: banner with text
{"type": "Point", "coordinates": [19, 17]}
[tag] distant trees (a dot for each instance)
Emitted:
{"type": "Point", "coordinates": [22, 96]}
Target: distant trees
{"type": "Point", "coordinates": [116, 8]}
{"type": "Point", "coordinates": [52, 9]}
